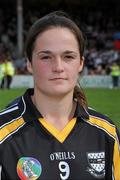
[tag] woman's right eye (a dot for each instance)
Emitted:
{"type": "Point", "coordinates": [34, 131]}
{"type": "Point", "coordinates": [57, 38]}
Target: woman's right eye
{"type": "Point", "coordinates": [45, 57]}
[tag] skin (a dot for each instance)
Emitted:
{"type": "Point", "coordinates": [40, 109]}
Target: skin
{"type": "Point", "coordinates": [55, 66]}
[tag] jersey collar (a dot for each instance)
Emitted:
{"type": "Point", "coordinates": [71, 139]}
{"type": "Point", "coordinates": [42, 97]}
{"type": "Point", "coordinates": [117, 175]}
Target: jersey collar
{"type": "Point", "coordinates": [31, 113]}
{"type": "Point", "coordinates": [81, 112]}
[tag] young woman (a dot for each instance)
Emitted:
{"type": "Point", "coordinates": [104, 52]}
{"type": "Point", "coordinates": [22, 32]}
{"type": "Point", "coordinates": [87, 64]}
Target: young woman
{"type": "Point", "coordinates": [50, 133]}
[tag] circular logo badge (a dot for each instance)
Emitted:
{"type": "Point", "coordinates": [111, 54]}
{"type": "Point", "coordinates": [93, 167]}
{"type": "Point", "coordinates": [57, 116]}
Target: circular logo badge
{"type": "Point", "coordinates": [29, 168]}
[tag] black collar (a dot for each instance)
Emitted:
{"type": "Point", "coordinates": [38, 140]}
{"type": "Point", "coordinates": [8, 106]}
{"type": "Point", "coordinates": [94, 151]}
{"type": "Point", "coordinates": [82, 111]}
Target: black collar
{"type": "Point", "coordinates": [81, 112]}
{"type": "Point", "coordinates": [31, 113]}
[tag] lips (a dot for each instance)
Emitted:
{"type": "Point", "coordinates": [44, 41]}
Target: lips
{"type": "Point", "coordinates": [58, 78]}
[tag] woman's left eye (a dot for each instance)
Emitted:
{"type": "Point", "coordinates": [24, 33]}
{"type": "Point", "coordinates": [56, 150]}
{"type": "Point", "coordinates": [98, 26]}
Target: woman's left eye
{"type": "Point", "coordinates": [69, 58]}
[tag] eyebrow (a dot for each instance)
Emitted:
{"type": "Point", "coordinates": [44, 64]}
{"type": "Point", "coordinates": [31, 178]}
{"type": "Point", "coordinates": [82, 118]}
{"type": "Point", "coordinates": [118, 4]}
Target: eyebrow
{"type": "Point", "coordinates": [46, 52]}
{"type": "Point", "coordinates": [70, 52]}
{"type": "Point", "coordinates": [50, 52]}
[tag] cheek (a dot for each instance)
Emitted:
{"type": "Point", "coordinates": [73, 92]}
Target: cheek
{"type": "Point", "coordinates": [40, 70]}
{"type": "Point", "coordinates": [74, 71]}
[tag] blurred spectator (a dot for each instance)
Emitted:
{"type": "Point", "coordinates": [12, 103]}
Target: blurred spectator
{"type": "Point", "coordinates": [115, 73]}
{"type": "Point", "coordinates": [117, 44]}
{"type": "Point", "coordinates": [1, 68]}
{"type": "Point", "coordinates": [9, 71]}
{"type": "Point", "coordinates": [116, 37]}
{"type": "Point", "coordinates": [102, 29]}
{"type": "Point", "coordinates": [20, 65]}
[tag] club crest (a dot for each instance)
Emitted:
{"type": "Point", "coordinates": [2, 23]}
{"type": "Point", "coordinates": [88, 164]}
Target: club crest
{"type": "Point", "coordinates": [96, 163]}
{"type": "Point", "coordinates": [29, 168]}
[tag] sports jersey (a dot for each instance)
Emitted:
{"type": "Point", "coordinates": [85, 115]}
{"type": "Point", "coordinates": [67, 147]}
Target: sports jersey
{"type": "Point", "coordinates": [88, 148]}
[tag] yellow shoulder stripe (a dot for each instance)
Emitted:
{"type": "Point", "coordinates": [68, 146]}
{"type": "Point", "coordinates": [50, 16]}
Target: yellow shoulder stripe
{"type": "Point", "coordinates": [110, 129]}
{"type": "Point", "coordinates": [116, 162]}
{"type": "Point", "coordinates": [103, 125]}
{"type": "Point", "coordinates": [10, 128]}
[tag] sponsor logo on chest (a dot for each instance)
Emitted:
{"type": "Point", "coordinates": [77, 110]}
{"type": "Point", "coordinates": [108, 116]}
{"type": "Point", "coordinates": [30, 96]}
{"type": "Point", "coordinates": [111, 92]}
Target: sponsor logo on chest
{"type": "Point", "coordinates": [62, 156]}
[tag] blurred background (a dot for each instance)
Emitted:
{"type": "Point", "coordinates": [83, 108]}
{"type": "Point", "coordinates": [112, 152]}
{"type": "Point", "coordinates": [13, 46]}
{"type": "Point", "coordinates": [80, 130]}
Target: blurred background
{"type": "Point", "coordinates": [99, 19]}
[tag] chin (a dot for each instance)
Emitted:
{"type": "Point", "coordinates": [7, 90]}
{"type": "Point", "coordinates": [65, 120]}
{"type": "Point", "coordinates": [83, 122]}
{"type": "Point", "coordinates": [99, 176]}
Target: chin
{"type": "Point", "coordinates": [61, 92]}
{"type": "Point", "coordinates": [56, 91]}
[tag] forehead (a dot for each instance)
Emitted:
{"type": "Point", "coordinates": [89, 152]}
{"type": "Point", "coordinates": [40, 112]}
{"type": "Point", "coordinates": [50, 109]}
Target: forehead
{"type": "Point", "coordinates": [56, 36]}
{"type": "Point", "coordinates": [53, 29]}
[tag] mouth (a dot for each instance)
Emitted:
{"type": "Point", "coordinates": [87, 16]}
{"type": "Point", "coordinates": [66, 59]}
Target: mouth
{"type": "Point", "coordinates": [59, 78]}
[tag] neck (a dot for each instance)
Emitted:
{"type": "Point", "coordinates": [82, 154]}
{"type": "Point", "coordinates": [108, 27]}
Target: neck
{"type": "Point", "coordinates": [56, 110]}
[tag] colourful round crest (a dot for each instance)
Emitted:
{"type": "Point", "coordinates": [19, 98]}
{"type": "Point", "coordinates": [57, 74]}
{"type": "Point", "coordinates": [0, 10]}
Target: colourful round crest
{"type": "Point", "coordinates": [28, 168]}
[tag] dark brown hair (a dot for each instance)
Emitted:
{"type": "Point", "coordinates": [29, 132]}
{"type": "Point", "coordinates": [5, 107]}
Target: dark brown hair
{"type": "Point", "coordinates": [51, 20]}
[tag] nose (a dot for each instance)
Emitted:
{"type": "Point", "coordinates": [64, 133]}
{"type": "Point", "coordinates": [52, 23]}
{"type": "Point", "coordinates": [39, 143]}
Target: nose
{"type": "Point", "coordinates": [58, 65]}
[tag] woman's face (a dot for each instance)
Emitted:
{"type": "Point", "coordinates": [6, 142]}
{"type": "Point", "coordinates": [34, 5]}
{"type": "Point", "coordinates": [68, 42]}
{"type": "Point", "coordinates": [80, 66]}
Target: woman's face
{"type": "Point", "coordinates": [56, 62]}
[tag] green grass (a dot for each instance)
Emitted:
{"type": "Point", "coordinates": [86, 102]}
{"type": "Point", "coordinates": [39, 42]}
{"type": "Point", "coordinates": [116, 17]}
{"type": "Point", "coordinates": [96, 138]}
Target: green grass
{"type": "Point", "coordinates": [106, 101]}
{"type": "Point", "coordinates": [6, 96]}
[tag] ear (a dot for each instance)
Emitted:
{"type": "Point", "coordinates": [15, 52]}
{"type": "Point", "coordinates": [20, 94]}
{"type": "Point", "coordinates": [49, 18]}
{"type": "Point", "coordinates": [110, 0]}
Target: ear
{"type": "Point", "coordinates": [81, 64]}
{"type": "Point", "coordinates": [29, 67]}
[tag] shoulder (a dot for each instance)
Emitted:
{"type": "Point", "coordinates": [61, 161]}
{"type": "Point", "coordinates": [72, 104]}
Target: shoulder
{"type": "Point", "coordinates": [11, 121]}
{"type": "Point", "coordinates": [102, 122]}
{"type": "Point", "coordinates": [14, 102]}
{"type": "Point", "coordinates": [98, 116]}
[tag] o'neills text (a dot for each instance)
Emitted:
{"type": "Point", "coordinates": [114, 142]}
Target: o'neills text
{"type": "Point", "coordinates": [62, 156]}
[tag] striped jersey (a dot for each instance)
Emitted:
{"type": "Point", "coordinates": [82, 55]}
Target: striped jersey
{"type": "Point", "coordinates": [88, 148]}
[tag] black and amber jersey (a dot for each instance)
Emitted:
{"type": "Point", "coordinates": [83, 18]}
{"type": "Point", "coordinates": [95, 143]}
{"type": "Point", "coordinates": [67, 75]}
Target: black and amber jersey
{"type": "Point", "coordinates": [88, 148]}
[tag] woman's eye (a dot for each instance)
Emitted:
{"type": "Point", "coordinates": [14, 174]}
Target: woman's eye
{"type": "Point", "coordinates": [69, 58]}
{"type": "Point", "coordinates": [45, 58]}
